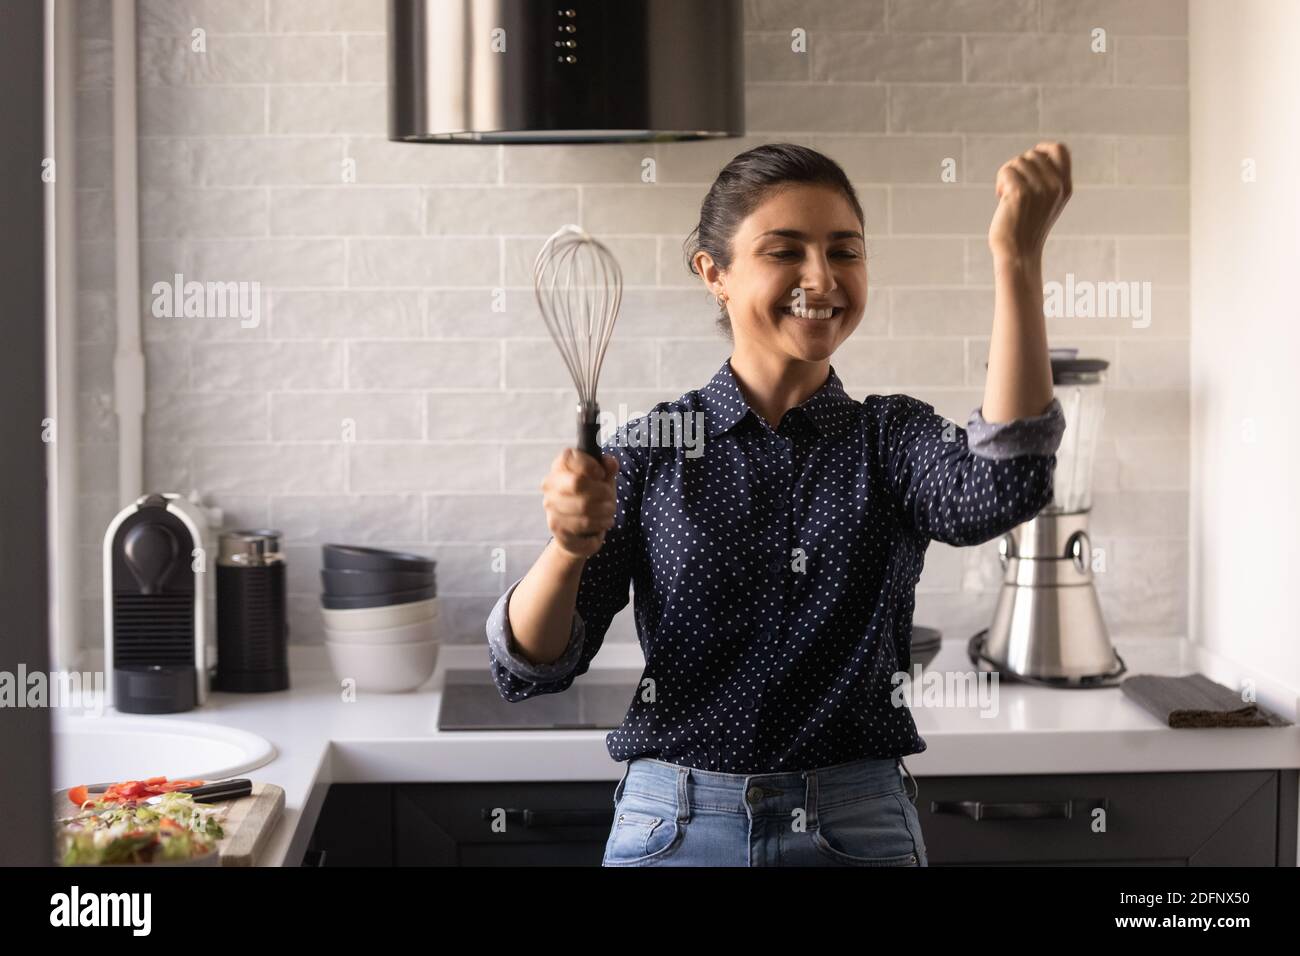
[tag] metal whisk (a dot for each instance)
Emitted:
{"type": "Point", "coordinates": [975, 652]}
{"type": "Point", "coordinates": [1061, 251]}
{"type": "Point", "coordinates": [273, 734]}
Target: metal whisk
{"type": "Point", "coordinates": [579, 288]}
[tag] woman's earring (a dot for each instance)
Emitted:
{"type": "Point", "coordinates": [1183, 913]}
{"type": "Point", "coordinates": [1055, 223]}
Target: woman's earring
{"type": "Point", "coordinates": [721, 299]}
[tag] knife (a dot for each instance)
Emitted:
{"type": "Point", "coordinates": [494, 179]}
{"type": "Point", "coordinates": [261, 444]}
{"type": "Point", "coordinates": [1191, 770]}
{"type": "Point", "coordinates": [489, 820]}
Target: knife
{"type": "Point", "coordinates": [207, 793]}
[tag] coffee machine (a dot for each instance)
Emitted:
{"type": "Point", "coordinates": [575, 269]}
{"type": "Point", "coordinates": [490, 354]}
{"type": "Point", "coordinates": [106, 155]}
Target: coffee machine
{"type": "Point", "coordinates": [1047, 625]}
{"type": "Point", "coordinates": [158, 605]}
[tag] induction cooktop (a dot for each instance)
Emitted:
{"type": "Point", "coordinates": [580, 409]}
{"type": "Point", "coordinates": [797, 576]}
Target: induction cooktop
{"type": "Point", "coordinates": [597, 700]}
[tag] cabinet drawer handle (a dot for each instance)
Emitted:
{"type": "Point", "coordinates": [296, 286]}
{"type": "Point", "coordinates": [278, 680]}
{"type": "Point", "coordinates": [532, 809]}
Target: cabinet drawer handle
{"type": "Point", "coordinates": [552, 819]}
{"type": "Point", "coordinates": [1027, 810]}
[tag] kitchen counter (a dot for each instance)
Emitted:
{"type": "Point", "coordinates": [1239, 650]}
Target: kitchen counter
{"type": "Point", "coordinates": [322, 739]}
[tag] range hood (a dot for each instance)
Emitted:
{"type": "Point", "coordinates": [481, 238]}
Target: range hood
{"type": "Point", "coordinates": [563, 71]}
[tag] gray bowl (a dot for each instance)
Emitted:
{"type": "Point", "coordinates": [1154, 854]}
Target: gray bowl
{"type": "Point", "coordinates": [355, 558]}
{"type": "Point", "coordinates": [345, 582]}
{"type": "Point", "coordinates": [334, 602]}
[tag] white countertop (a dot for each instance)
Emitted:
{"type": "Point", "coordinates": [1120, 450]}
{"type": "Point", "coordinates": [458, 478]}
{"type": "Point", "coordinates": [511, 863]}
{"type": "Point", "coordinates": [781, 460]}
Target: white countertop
{"type": "Point", "coordinates": [321, 739]}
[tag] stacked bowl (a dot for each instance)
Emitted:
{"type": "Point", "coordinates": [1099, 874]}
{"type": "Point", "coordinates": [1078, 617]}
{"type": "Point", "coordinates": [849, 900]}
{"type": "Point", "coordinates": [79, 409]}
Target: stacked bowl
{"type": "Point", "coordinates": [381, 617]}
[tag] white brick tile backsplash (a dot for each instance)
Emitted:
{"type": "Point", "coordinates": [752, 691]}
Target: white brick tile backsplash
{"type": "Point", "coordinates": [401, 389]}
{"type": "Point", "coordinates": [1065, 58]}
{"type": "Point", "coordinates": [423, 364]}
{"type": "Point", "coordinates": [184, 213]}
{"type": "Point", "coordinates": [499, 210]}
{"type": "Point", "coordinates": [770, 57]}
{"type": "Point", "coordinates": [405, 466]}
{"type": "Point", "coordinates": [637, 257]}
{"type": "Point", "coordinates": [172, 61]}
{"type": "Point", "coordinates": [783, 108]}
{"type": "Point", "coordinates": [1125, 211]}
{"type": "Point", "coordinates": [345, 210]}
{"type": "Point", "coordinates": [327, 16]}
{"type": "Point", "coordinates": [1151, 160]}
{"type": "Point", "coordinates": [173, 17]}
{"type": "Point", "coordinates": [1163, 17]}
{"type": "Point", "coordinates": [495, 519]}
{"type": "Point", "coordinates": [782, 16]}
{"type": "Point", "coordinates": [1092, 158]}
{"type": "Point", "coordinates": [328, 109]}
{"type": "Point", "coordinates": [963, 16]}
{"type": "Point", "coordinates": [351, 519]}
{"type": "Point", "coordinates": [915, 108]}
{"type": "Point", "coordinates": [537, 364]}
{"type": "Point", "coordinates": [915, 261]}
{"type": "Point", "coordinates": [1128, 110]}
{"type": "Point", "coordinates": [886, 58]}
{"type": "Point", "coordinates": [507, 416]}
{"type": "Point", "coordinates": [378, 314]}
{"type": "Point", "coordinates": [412, 262]}
{"type": "Point", "coordinates": [892, 159]}
{"type": "Point", "coordinates": [293, 468]}
{"type": "Point", "coordinates": [248, 161]}
{"type": "Point", "coordinates": [347, 416]}
{"type": "Point", "coordinates": [640, 208]}
{"type": "Point", "coordinates": [941, 209]}
{"type": "Point", "coordinates": [378, 160]}
{"type": "Point", "coordinates": [366, 58]}
{"type": "Point", "coordinates": [1159, 261]}
{"type": "Point", "coordinates": [1151, 61]}
{"type": "Point", "coordinates": [266, 366]}
{"type": "Point", "coordinates": [207, 416]}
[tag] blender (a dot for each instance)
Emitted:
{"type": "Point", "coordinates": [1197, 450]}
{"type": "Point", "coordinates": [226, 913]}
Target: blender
{"type": "Point", "coordinates": [1047, 626]}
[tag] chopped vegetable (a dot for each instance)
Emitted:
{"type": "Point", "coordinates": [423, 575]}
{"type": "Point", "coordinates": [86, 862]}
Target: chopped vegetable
{"type": "Point", "coordinates": [132, 790]}
{"type": "Point", "coordinates": [176, 828]}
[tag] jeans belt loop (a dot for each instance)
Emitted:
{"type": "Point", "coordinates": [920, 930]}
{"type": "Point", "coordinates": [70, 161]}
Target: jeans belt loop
{"type": "Point", "coordinates": [810, 800]}
{"type": "Point", "coordinates": [683, 797]}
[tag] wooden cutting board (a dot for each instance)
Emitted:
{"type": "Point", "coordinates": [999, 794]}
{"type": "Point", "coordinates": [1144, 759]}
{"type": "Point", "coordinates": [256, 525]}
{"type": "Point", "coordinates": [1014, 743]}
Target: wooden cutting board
{"type": "Point", "coordinates": [249, 822]}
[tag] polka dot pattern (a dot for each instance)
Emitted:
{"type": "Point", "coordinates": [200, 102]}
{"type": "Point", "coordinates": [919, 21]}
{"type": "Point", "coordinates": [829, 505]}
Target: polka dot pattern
{"type": "Point", "coordinates": [775, 574]}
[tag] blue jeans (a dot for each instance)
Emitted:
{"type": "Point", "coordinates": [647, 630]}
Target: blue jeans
{"type": "Point", "coordinates": [848, 814]}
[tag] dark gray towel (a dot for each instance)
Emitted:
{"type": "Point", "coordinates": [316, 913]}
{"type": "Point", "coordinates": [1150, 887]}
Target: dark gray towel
{"type": "Point", "coordinates": [1197, 701]}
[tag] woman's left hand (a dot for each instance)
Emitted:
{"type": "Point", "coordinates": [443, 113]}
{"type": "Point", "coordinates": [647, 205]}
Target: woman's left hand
{"type": "Point", "coordinates": [1032, 190]}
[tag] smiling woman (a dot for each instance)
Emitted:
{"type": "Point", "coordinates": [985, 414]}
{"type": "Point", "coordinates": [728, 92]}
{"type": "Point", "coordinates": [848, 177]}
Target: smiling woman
{"type": "Point", "coordinates": [780, 243]}
{"type": "Point", "coordinates": [775, 574]}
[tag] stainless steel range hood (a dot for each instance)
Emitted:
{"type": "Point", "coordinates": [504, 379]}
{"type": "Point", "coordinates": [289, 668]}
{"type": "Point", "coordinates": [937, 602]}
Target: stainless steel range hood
{"type": "Point", "coordinates": [562, 71]}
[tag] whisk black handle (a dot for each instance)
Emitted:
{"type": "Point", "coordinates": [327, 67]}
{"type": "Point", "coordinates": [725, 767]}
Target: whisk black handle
{"type": "Point", "coordinates": [587, 432]}
{"type": "Point", "coordinates": [588, 428]}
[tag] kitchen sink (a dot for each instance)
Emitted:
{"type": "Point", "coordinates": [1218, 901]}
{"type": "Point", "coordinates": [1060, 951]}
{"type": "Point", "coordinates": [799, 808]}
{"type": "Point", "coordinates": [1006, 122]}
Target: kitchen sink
{"type": "Point", "coordinates": [117, 747]}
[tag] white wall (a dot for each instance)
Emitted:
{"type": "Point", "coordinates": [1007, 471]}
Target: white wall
{"type": "Point", "coordinates": [1245, 332]}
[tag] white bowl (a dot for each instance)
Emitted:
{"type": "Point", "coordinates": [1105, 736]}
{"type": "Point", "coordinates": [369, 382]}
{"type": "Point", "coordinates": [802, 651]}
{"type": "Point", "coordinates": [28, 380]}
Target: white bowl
{"type": "Point", "coordinates": [383, 668]}
{"type": "Point", "coordinates": [417, 632]}
{"type": "Point", "coordinates": [378, 618]}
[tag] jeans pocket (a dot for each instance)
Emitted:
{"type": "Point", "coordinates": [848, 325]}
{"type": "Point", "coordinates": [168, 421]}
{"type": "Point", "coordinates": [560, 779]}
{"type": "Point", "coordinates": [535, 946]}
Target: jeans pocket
{"type": "Point", "coordinates": [872, 831]}
{"type": "Point", "coordinates": [640, 835]}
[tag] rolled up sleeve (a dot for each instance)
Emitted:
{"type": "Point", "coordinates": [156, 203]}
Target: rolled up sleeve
{"type": "Point", "coordinates": [505, 649]}
{"type": "Point", "coordinates": [1033, 435]}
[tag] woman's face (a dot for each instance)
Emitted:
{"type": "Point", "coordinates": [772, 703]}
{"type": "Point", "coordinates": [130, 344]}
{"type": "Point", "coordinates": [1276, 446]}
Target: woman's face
{"type": "Point", "coordinates": [800, 237]}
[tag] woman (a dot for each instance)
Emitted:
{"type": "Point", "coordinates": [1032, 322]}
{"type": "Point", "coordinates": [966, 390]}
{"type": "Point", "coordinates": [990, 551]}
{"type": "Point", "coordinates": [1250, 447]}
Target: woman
{"type": "Point", "coordinates": [775, 572]}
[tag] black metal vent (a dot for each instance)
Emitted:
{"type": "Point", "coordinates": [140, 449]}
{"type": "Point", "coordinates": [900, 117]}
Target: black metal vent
{"type": "Point", "coordinates": [153, 629]}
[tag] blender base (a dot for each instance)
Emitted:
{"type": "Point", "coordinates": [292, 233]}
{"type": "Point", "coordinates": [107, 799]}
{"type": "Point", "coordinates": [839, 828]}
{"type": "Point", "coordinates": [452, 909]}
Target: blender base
{"type": "Point", "coordinates": [975, 651]}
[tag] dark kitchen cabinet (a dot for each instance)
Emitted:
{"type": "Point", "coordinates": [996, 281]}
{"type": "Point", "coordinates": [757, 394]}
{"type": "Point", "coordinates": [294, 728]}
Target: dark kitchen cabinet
{"type": "Point", "coordinates": [1230, 818]}
{"type": "Point", "coordinates": [465, 824]}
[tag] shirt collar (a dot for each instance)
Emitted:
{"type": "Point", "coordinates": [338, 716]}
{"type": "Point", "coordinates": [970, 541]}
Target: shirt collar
{"type": "Point", "coordinates": [725, 405]}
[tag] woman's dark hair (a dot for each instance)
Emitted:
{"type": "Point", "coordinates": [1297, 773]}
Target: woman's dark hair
{"type": "Point", "coordinates": [743, 184]}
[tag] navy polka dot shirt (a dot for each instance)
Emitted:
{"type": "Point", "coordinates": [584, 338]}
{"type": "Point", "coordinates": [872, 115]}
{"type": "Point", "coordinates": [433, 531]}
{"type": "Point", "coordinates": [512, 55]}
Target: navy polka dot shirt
{"type": "Point", "coordinates": [775, 570]}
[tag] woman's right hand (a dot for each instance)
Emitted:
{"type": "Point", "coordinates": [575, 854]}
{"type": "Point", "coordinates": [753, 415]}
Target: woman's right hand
{"type": "Point", "coordinates": [580, 501]}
